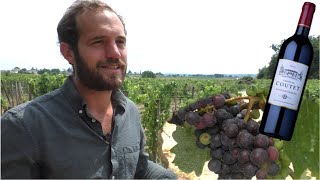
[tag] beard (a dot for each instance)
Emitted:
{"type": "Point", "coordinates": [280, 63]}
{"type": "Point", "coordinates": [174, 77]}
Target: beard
{"type": "Point", "coordinates": [94, 79]}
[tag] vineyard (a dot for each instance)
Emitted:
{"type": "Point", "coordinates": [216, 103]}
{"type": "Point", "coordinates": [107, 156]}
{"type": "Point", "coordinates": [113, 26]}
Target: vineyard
{"type": "Point", "coordinates": [158, 98]}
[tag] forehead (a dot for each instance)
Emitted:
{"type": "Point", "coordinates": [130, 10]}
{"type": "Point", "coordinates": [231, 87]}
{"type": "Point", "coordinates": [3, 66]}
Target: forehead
{"type": "Point", "coordinates": [94, 21]}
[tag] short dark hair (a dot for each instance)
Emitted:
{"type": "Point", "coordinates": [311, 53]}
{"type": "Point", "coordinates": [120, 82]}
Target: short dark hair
{"type": "Point", "coordinates": [67, 28]}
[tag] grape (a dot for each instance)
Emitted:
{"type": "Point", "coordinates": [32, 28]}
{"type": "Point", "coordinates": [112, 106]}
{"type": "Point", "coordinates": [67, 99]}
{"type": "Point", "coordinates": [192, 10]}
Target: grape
{"type": "Point", "coordinates": [217, 153]}
{"type": "Point", "coordinates": [236, 167]}
{"type": "Point", "coordinates": [261, 141]}
{"type": "Point", "coordinates": [218, 101]}
{"type": "Point", "coordinates": [198, 132]}
{"type": "Point", "coordinates": [273, 169]}
{"type": "Point", "coordinates": [261, 174]}
{"type": "Point", "coordinates": [284, 172]}
{"type": "Point", "coordinates": [200, 145]}
{"type": "Point", "coordinates": [204, 102]}
{"type": "Point", "coordinates": [181, 113]}
{"type": "Point", "coordinates": [225, 169]}
{"type": "Point", "coordinates": [200, 125]}
{"type": "Point", "coordinates": [215, 141]}
{"type": "Point", "coordinates": [237, 149]}
{"type": "Point", "coordinates": [235, 152]}
{"type": "Point", "coordinates": [271, 141]}
{"type": "Point", "coordinates": [226, 108]}
{"type": "Point", "coordinates": [285, 161]}
{"type": "Point", "coordinates": [192, 118]}
{"type": "Point", "coordinates": [193, 106]}
{"type": "Point", "coordinates": [208, 119]}
{"type": "Point", "coordinates": [224, 139]}
{"type": "Point", "coordinates": [214, 165]}
{"type": "Point", "coordinates": [255, 114]}
{"type": "Point", "coordinates": [253, 127]}
{"type": "Point", "coordinates": [244, 155]}
{"type": "Point", "coordinates": [249, 169]}
{"type": "Point", "coordinates": [176, 120]}
{"type": "Point", "coordinates": [273, 153]}
{"type": "Point", "coordinates": [227, 95]}
{"type": "Point", "coordinates": [228, 158]}
{"type": "Point", "coordinates": [243, 113]}
{"type": "Point", "coordinates": [241, 123]}
{"type": "Point", "coordinates": [222, 114]}
{"type": "Point", "coordinates": [258, 156]}
{"type": "Point", "coordinates": [226, 122]}
{"type": "Point", "coordinates": [213, 130]}
{"type": "Point", "coordinates": [245, 139]}
{"type": "Point", "coordinates": [234, 110]}
{"type": "Point", "coordinates": [240, 116]}
{"type": "Point", "coordinates": [231, 130]}
{"type": "Point", "coordinates": [278, 144]}
{"type": "Point", "coordinates": [237, 175]}
{"type": "Point", "coordinates": [205, 138]}
{"type": "Point", "coordinates": [232, 143]}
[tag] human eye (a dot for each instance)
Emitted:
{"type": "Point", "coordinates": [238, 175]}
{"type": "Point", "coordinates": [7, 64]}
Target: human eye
{"type": "Point", "coordinates": [96, 42]}
{"type": "Point", "coordinates": [121, 42]}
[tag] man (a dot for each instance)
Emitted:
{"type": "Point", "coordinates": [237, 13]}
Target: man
{"type": "Point", "coordinates": [87, 128]}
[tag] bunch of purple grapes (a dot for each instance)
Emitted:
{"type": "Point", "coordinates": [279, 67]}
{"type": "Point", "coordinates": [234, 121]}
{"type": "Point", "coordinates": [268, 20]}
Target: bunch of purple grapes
{"type": "Point", "coordinates": [237, 148]}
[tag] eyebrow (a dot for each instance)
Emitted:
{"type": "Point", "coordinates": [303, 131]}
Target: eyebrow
{"type": "Point", "coordinates": [101, 37]}
{"type": "Point", "coordinates": [122, 38]}
{"type": "Point", "coordinates": [97, 38]}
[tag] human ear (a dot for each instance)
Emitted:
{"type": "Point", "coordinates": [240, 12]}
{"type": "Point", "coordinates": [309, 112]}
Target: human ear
{"type": "Point", "coordinates": [67, 52]}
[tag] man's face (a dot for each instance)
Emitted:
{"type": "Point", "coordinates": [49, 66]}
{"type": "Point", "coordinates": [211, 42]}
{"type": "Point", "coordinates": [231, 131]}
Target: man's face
{"type": "Point", "coordinates": [101, 59]}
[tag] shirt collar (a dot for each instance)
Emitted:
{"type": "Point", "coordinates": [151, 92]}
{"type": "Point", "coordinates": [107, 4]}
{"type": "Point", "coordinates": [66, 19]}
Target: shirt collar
{"type": "Point", "coordinates": [71, 93]}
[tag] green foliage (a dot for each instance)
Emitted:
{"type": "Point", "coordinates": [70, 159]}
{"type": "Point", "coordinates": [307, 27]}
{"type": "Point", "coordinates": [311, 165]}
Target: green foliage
{"type": "Point", "coordinates": [48, 83]}
{"type": "Point", "coordinates": [263, 73]}
{"type": "Point", "coordinates": [303, 149]}
{"type": "Point", "coordinates": [246, 80]}
{"type": "Point", "coordinates": [148, 74]}
{"type": "Point", "coordinates": [314, 68]}
{"type": "Point", "coordinates": [267, 72]}
{"type": "Point", "coordinates": [188, 156]}
{"type": "Point", "coordinates": [4, 103]}
{"type": "Point", "coordinates": [156, 112]}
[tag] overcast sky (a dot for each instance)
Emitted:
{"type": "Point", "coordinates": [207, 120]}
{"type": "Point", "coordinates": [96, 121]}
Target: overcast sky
{"type": "Point", "coordinates": [167, 36]}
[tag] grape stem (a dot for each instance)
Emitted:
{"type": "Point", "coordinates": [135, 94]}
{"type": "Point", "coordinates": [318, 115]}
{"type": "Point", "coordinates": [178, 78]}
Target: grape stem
{"type": "Point", "coordinates": [252, 100]}
{"type": "Point", "coordinates": [208, 108]}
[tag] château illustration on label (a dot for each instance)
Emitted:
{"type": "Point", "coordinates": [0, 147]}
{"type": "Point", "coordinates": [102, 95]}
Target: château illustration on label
{"type": "Point", "coordinates": [289, 80]}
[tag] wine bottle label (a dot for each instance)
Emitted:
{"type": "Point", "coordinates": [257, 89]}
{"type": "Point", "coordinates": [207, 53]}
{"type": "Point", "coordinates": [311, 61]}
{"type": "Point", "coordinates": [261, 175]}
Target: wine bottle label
{"type": "Point", "coordinates": [288, 84]}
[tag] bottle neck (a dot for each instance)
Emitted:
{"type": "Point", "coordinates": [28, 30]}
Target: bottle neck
{"type": "Point", "coordinates": [302, 30]}
{"type": "Point", "coordinates": [305, 20]}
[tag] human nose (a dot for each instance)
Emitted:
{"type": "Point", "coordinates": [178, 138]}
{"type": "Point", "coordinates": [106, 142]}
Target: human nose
{"type": "Point", "coordinates": [112, 51]}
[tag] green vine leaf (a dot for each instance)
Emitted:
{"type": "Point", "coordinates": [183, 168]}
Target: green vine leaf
{"type": "Point", "coordinates": [188, 156]}
{"type": "Point", "coordinates": [303, 149]}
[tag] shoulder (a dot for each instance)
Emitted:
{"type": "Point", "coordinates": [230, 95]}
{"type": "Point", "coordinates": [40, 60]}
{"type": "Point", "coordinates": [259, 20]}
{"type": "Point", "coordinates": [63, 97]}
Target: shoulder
{"type": "Point", "coordinates": [22, 111]}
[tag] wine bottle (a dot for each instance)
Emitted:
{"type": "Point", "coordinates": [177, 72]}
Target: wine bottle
{"type": "Point", "coordinates": [289, 80]}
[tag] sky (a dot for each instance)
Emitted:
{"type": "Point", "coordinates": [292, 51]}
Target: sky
{"type": "Point", "coordinates": [167, 36]}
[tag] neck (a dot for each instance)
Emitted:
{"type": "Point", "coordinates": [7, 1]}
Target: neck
{"type": "Point", "coordinates": [302, 30]}
{"type": "Point", "coordinates": [98, 102]}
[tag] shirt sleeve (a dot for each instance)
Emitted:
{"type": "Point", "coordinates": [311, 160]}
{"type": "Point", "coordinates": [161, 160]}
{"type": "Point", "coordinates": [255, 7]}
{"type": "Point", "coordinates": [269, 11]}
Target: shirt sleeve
{"type": "Point", "coordinates": [17, 149]}
{"type": "Point", "coordinates": [147, 169]}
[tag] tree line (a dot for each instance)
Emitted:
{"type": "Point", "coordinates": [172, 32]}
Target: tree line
{"type": "Point", "coordinates": [268, 71]}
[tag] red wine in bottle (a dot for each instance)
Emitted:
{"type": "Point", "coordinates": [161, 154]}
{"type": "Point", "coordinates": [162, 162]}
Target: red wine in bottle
{"type": "Point", "coordinates": [289, 80]}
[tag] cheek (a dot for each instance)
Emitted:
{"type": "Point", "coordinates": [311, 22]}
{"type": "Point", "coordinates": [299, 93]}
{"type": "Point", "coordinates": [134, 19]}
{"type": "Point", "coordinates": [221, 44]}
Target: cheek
{"type": "Point", "coordinates": [124, 56]}
{"type": "Point", "coordinates": [91, 57]}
